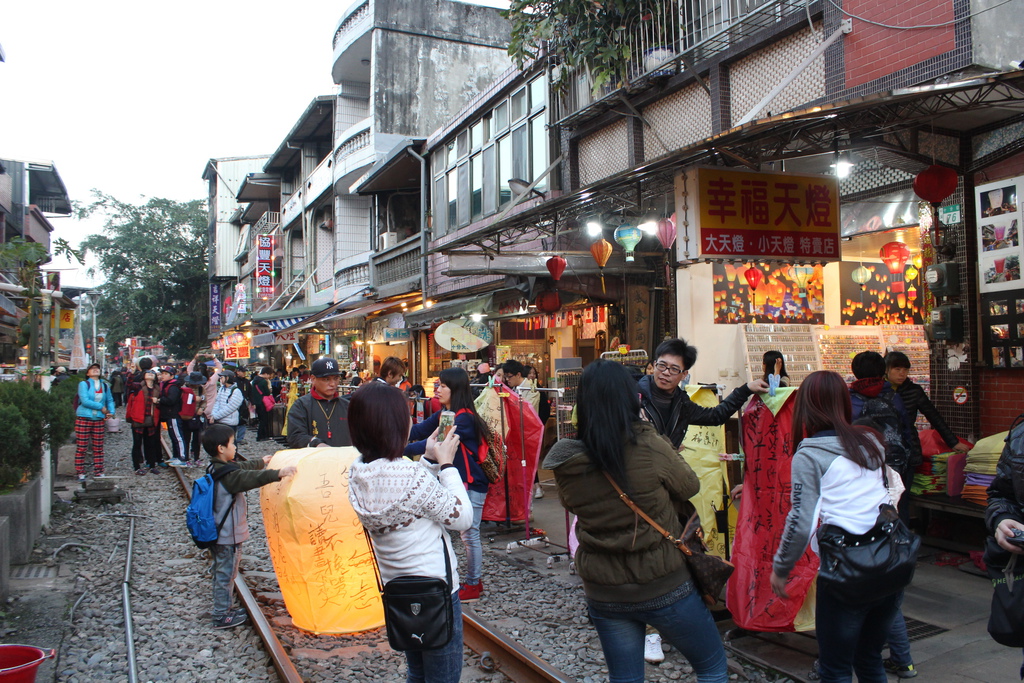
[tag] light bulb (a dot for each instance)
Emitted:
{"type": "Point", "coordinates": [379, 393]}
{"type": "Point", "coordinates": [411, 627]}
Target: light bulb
{"type": "Point", "coordinates": [594, 228]}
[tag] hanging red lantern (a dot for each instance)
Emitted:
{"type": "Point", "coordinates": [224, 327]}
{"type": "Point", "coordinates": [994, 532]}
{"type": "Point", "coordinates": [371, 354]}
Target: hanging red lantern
{"type": "Point", "coordinates": [935, 183]}
{"type": "Point", "coordinates": [894, 255]}
{"type": "Point", "coordinates": [754, 277]}
{"type": "Point", "coordinates": [549, 301]}
{"type": "Point", "coordinates": [556, 266]}
{"type": "Point", "coordinates": [601, 250]}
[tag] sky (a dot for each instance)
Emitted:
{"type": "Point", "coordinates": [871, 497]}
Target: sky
{"type": "Point", "coordinates": [132, 98]}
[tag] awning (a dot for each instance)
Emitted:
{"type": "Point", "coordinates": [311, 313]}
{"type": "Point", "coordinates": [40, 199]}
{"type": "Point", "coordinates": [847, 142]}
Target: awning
{"type": "Point", "coordinates": [259, 186]}
{"type": "Point", "coordinates": [396, 170]}
{"type": "Point", "coordinates": [323, 314]}
{"type": "Point", "coordinates": [450, 310]}
{"type": "Point", "coordinates": [281, 319]}
{"type": "Point", "coordinates": [372, 308]}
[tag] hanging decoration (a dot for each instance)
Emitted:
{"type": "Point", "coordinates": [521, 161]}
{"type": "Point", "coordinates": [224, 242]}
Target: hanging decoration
{"type": "Point", "coordinates": [628, 236]}
{"type": "Point", "coordinates": [556, 266]}
{"type": "Point", "coordinates": [802, 274]}
{"type": "Point", "coordinates": [601, 250]}
{"type": "Point", "coordinates": [911, 273]}
{"type": "Point", "coordinates": [549, 301]}
{"type": "Point", "coordinates": [861, 276]}
{"type": "Point", "coordinates": [894, 255]}
{"type": "Point", "coordinates": [754, 277]}
{"type": "Point", "coordinates": [912, 292]}
{"type": "Point", "coordinates": [934, 184]}
{"type": "Point", "coordinates": [667, 237]}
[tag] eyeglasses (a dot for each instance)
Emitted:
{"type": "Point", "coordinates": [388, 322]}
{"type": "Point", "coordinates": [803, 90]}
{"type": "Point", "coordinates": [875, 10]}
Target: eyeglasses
{"type": "Point", "coordinates": [670, 370]}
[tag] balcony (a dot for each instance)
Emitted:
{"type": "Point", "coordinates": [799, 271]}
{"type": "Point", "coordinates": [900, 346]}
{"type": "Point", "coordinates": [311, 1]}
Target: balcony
{"type": "Point", "coordinates": [352, 45]}
{"type": "Point", "coordinates": [396, 270]}
{"type": "Point", "coordinates": [269, 222]}
{"type": "Point", "coordinates": [312, 187]}
{"type": "Point", "coordinates": [682, 35]}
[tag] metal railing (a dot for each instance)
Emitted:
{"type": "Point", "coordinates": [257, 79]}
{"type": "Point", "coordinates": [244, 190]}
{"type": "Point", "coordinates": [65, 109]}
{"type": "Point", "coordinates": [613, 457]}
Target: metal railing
{"type": "Point", "coordinates": [675, 35]}
{"type": "Point", "coordinates": [357, 15]}
{"type": "Point", "coordinates": [396, 264]}
{"type": "Point", "coordinates": [268, 223]}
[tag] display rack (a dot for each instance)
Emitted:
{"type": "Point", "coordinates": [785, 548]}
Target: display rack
{"type": "Point", "coordinates": [637, 358]}
{"type": "Point", "coordinates": [795, 342]}
{"type": "Point", "coordinates": [838, 346]}
{"type": "Point", "coordinates": [569, 382]}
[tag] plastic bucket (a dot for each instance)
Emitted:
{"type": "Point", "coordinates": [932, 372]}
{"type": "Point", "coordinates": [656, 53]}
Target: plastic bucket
{"type": "Point", "coordinates": [18, 663]}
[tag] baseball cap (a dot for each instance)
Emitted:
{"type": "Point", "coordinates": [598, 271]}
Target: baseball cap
{"type": "Point", "coordinates": [325, 367]}
{"type": "Point", "coordinates": [169, 370]}
{"type": "Point", "coordinates": [62, 369]}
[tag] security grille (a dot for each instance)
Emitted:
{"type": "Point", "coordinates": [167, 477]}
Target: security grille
{"type": "Point", "coordinates": [401, 267]}
{"type": "Point", "coordinates": [569, 381]}
{"type": "Point", "coordinates": [919, 630]}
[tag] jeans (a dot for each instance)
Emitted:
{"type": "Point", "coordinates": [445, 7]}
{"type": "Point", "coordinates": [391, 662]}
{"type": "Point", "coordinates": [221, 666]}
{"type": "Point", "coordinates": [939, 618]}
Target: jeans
{"type": "Point", "coordinates": [899, 641]}
{"type": "Point", "coordinates": [687, 624]}
{"type": "Point", "coordinates": [851, 637]}
{"type": "Point", "coordinates": [471, 538]}
{"type": "Point", "coordinates": [225, 569]}
{"type": "Point", "coordinates": [239, 433]}
{"type": "Point", "coordinates": [443, 665]}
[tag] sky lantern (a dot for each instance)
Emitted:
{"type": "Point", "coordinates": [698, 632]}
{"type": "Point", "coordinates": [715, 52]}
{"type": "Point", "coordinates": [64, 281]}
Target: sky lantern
{"type": "Point", "coordinates": [911, 273]}
{"type": "Point", "coordinates": [894, 255]}
{"type": "Point", "coordinates": [753, 277]}
{"type": "Point", "coordinates": [320, 553]}
{"type": "Point", "coordinates": [601, 250]}
{"type": "Point", "coordinates": [556, 266]}
{"type": "Point", "coordinates": [628, 236]}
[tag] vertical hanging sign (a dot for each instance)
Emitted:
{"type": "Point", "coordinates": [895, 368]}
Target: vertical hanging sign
{"type": "Point", "coordinates": [214, 306]}
{"type": "Point", "coordinates": [265, 266]}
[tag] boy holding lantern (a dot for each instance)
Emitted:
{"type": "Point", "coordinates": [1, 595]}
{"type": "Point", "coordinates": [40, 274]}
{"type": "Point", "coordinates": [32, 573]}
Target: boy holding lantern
{"type": "Point", "coordinates": [231, 480]}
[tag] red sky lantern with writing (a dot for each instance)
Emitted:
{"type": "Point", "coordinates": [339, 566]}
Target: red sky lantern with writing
{"type": "Point", "coordinates": [894, 255]}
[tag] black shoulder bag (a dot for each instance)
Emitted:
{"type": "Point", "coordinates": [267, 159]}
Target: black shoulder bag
{"type": "Point", "coordinates": [417, 609]}
{"type": "Point", "coordinates": [880, 562]}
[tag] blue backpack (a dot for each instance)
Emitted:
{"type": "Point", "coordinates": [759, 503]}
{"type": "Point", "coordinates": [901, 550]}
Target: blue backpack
{"type": "Point", "coordinates": [199, 514]}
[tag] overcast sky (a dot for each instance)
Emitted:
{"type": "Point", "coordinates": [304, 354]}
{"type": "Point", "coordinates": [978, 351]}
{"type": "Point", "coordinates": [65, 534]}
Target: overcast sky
{"type": "Point", "coordinates": [132, 98]}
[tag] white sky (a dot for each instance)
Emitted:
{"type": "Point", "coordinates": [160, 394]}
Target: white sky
{"type": "Point", "coordinates": [132, 98]}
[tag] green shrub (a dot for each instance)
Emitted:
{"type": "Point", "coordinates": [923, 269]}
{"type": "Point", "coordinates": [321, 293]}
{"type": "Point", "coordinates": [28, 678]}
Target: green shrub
{"type": "Point", "coordinates": [31, 417]}
{"type": "Point", "coordinates": [17, 455]}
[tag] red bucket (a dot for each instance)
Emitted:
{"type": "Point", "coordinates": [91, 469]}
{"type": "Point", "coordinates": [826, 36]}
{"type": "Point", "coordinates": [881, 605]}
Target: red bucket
{"type": "Point", "coordinates": [18, 663]}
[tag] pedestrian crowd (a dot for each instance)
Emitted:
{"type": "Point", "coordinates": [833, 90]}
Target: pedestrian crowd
{"type": "Point", "coordinates": [423, 471]}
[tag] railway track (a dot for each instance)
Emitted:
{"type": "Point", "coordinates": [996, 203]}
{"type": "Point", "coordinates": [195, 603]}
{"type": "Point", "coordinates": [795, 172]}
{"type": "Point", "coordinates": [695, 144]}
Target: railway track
{"type": "Point", "coordinates": [498, 652]}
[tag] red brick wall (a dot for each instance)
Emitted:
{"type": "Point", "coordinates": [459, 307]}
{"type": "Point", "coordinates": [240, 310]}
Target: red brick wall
{"type": "Point", "coordinates": [1008, 168]}
{"type": "Point", "coordinates": [1001, 399]}
{"type": "Point", "coordinates": [871, 51]}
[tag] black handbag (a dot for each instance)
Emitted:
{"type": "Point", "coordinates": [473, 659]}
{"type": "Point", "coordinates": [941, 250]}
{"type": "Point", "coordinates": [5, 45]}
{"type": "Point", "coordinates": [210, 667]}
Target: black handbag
{"type": "Point", "coordinates": [860, 567]}
{"type": "Point", "coordinates": [417, 609]}
{"type": "Point", "coordinates": [1006, 621]}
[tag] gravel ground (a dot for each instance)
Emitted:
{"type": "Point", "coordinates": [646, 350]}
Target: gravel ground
{"type": "Point", "coordinates": [541, 608]}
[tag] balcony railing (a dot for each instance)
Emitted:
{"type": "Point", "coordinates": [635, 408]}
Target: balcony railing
{"type": "Point", "coordinates": [679, 34]}
{"type": "Point", "coordinates": [268, 223]}
{"type": "Point", "coordinates": [398, 264]}
{"type": "Point", "coordinates": [360, 13]}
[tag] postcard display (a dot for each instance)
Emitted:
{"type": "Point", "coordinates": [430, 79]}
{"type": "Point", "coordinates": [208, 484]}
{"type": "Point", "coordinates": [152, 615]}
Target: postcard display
{"type": "Point", "coordinates": [796, 342]}
{"type": "Point", "coordinates": [999, 277]}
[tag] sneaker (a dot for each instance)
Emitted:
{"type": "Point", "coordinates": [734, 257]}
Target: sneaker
{"type": "Point", "coordinates": [154, 470]}
{"type": "Point", "coordinates": [99, 475]}
{"type": "Point", "coordinates": [162, 463]}
{"type": "Point", "coordinates": [141, 471]}
{"type": "Point", "coordinates": [230, 620]}
{"type": "Point", "coordinates": [901, 670]}
{"type": "Point", "coordinates": [81, 478]}
{"type": "Point", "coordinates": [194, 463]}
{"type": "Point", "coordinates": [175, 462]}
{"type": "Point", "coordinates": [238, 611]}
{"type": "Point", "coordinates": [538, 492]}
{"type": "Point", "coordinates": [471, 592]}
{"type": "Point", "coordinates": [653, 653]}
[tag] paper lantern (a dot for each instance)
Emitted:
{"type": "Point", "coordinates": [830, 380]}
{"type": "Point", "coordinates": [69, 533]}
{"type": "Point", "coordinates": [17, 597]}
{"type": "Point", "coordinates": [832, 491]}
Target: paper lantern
{"type": "Point", "coordinates": [912, 292]}
{"type": "Point", "coordinates": [667, 236]}
{"type": "Point", "coordinates": [935, 183]}
{"type": "Point", "coordinates": [911, 273]}
{"type": "Point", "coordinates": [556, 266]}
{"type": "Point", "coordinates": [894, 255]}
{"type": "Point", "coordinates": [601, 250]}
{"type": "Point", "coordinates": [320, 553]}
{"type": "Point", "coordinates": [628, 236]}
{"type": "Point", "coordinates": [753, 276]}
{"type": "Point", "coordinates": [549, 301]}
{"type": "Point", "coordinates": [861, 276]}
{"type": "Point", "coordinates": [901, 300]}
{"type": "Point", "coordinates": [918, 261]}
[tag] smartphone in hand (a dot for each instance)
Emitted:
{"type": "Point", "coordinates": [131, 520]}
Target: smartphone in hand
{"type": "Point", "coordinates": [446, 423]}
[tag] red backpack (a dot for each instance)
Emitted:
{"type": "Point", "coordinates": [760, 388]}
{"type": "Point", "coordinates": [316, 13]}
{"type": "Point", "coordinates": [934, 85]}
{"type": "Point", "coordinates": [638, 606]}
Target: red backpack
{"type": "Point", "coordinates": [189, 403]}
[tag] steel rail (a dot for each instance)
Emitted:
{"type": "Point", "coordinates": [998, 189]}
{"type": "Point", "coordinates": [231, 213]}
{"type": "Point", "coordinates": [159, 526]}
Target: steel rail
{"type": "Point", "coordinates": [499, 652]}
{"type": "Point", "coordinates": [126, 606]}
{"type": "Point", "coordinates": [282, 662]}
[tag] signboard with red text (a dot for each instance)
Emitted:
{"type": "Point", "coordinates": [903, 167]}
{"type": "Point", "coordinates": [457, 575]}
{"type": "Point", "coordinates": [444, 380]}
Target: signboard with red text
{"type": "Point", "coordinates": [748, 216]}
{"type": "Point", "coordinates": [265, 266]}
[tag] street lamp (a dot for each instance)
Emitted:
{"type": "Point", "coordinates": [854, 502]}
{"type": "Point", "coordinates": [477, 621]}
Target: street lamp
{"type": "Point", "coordinates": [94, 299]}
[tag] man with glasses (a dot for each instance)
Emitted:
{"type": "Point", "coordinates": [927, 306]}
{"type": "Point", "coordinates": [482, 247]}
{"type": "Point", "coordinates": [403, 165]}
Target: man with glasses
{"type": "Point", "coordinates": [320, 418]}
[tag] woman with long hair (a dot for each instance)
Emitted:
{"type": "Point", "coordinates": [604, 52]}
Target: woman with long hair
{"type": "Point", "coordinates": [406, 508]}
{"type": "Point", "coordinates": [768, 361]}
{"type": "Point", "coordinates": [455, 394]}
{"type": "Point", "coordinates": [632, 576]}
{"type": "Point", "coordinates": [837, 475]}
{"type": "Point", "coordinates": [146, 434]}
{"type": "Point", "coordinates": [95, 407]}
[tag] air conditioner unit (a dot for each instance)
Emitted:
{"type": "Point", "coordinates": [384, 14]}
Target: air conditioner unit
{"type": "Point", "coordinates": [388, 240]}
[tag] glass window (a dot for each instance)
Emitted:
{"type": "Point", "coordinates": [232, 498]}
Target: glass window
{"type": "Point", "coordinates": [440, 159]}
{"type": "Point", "coordinates": [521, 153]}
{"type": "Point", "coordinates": [501, 117]}
{"type": "Point", "coordinates": [476, 187]}
{"type": "Point", "coordinates": [463, 172]}
{"type": "Point", "coordinates": [519, 106]}
{"type": "Point", "coordinates": [451, 155]}
{"type": "Point", "coordinates": [504, 169]}
{"type": "Point", "coordinates": [476, 135]}
{"type": "Point", "coordinates": [490, 180]}
{"type": "Point", "coordinates": [453, 202]}
{"type": "Point", "coordinates": [487, 128]}
{"type": "Point", "coordinates": [440, 211]}
{"type": "Point", "coordinates": [462, 144]}
{"type": "Point", "coordinates": [539, 149]}
{"type": "Point", "coordinates": [537, 93]}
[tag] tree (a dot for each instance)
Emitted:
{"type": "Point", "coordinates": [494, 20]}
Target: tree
{"type": "Point", "coordinates": [591, 34]}
{"type": "Point", "coordinates": [154, 259]}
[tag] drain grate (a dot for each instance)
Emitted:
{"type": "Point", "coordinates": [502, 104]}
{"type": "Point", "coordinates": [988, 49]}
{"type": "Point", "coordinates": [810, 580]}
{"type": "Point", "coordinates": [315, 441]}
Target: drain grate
{"type": "Point", "coordinates": [33, 571]}
{"type": "Point", "coordinates": [919, 630]}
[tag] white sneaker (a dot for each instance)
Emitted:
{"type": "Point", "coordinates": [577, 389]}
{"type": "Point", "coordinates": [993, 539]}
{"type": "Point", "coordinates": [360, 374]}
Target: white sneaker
{"type": "Point", "coordinates": [538, 492]}
{"type": "Point", "coordinates": [175, 462]}
{"type": "Point", "coordinates": [652, 649]}
{"type": "Point", "coordinates": [81, 477]}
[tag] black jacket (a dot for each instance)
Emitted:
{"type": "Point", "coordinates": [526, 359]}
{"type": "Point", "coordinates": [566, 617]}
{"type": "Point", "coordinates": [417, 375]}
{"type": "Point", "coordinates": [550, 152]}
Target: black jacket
{"type": "Point", "coordinates": [170, 400]}
{"type": "Point", "coordinates": [916, 400]}
{"type": "Point", "coordinates": [308, 420]}
{"type": "Point", "coordinates": [1006, 494]}
{"type": "Point", "coordinates": [685, 412]}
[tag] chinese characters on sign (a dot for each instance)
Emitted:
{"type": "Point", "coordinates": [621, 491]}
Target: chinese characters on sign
{"type": "Point", "coordinates": [265, 266]}
{"type": "Point", "coordinates": [762, 216]}
{"type": "Point", "coordinates": [214, 306]}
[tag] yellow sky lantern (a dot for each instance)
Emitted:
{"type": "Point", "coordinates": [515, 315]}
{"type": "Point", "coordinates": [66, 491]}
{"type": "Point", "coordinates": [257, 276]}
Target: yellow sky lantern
{"type": "Point", "coordinates": [320, 553]}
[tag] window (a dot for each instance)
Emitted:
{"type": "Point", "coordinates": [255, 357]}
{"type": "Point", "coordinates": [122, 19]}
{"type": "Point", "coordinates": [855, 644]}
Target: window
{"type": "Point", "coordinates": [453, 203]}
{"type": "Point", "coordinates": [476, 135]}
{"type": "Point", "coordinates": [501, 117]}
{"type": "Point", "coordinates": [537, 93]}
{"type": "Point", "coordinates": [462, 144]}
{"type": "Point", "coordinates": [440, 211]}
{"type": "Point", "coordinates": [539, 149]}
{"type": "Point", "coordinates": [519, 106]}
{"type": "Point", "coordinates": [521, 154]}
{"type": "Point", "coordinates": [504, 169]}
{"type": "Point", "coordinates": [463, 209]}
{"type": "Point", "coordinates": [476, 187]}
{"type": "Point", "coordinates": [490, 180]}
{"type": "Point", "coordinates": [451, 154]}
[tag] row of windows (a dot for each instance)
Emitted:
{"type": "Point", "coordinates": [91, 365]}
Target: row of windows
{"type": "Point", "coordinates": [471, 172]}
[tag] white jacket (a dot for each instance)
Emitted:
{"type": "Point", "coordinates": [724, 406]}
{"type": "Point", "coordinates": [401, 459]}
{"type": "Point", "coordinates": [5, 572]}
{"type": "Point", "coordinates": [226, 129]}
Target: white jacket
{"type": "Point", "coordinates": [225, 408]}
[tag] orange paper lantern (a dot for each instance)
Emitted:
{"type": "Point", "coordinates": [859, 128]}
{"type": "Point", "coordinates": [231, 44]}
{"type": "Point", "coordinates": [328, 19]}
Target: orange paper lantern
{"type": "Point", "coordinates": [320, 553]}
{"type": "Point", "coordinates": [601, 250]}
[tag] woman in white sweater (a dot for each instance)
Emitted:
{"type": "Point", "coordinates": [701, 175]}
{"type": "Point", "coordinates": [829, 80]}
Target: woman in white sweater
{"type": "Point", "coordinates": [406, 506]}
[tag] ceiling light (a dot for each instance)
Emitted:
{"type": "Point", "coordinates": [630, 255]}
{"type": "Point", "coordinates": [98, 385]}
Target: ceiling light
{"type": "Point", "coordinates": [594, 228]}
{"type": "Point", "coordinates": [648, 227]}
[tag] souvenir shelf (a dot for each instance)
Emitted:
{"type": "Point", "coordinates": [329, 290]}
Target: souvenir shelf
{"type": "Point", "coordinates": [838, 346]}
{"type": "Point", "coordinates": [796, 342]}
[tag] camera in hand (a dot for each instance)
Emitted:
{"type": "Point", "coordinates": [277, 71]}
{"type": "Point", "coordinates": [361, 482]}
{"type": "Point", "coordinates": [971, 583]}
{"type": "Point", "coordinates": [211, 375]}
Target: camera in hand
{"type": "Point", "coordinates": [1017, 538]}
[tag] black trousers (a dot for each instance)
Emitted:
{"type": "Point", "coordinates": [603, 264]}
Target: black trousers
{"type": "Point", "coordinates": [145, 445]}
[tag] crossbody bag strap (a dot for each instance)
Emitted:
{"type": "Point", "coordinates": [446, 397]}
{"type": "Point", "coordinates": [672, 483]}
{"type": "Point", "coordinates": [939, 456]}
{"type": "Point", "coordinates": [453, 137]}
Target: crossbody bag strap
{"type": "Point", "coordinates": [654, 525]}
{"type": "Point", "coordinates": [376, 569]}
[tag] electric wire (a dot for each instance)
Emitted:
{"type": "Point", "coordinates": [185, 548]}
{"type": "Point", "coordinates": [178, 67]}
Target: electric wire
{"type": "Point", "coordinates": [919, 26]}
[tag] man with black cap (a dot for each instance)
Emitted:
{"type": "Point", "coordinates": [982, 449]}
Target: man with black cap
{"type": "Point", "coordinates": [320, 418]}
